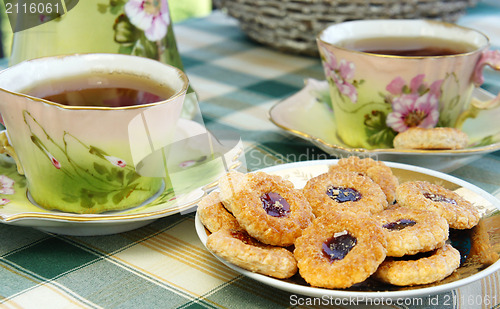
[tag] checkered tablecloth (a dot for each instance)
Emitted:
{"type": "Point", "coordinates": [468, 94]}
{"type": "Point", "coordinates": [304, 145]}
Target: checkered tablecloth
{"type": "Point", "coordinates": [164, 265]}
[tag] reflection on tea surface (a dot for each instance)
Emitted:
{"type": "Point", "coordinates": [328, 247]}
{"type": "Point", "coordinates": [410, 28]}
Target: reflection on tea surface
{"type": "Point", "coordinates": [409, 46]}
{"type": "Point", "coordinates": [105, 90]}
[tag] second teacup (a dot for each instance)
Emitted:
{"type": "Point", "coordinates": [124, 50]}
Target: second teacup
{"type": "Point", "coordinates": [388, 75]}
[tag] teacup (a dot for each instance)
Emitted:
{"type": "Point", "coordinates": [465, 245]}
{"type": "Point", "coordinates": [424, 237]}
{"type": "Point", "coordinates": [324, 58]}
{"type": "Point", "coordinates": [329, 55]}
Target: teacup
{"type": "Point", "coordinates": [388, 75]}
{"type": "Point", "coordinates": [78, 126]}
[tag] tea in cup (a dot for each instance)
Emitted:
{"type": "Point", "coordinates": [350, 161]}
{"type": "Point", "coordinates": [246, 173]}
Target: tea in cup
{"type": "Point", "coordinates": [386, 76]}
{"type": "Point", "coordinates": [78, 125]}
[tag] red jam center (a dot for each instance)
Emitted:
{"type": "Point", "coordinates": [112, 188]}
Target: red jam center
{"type": "Point", "coordinates": [337, 247]}
{"type": "Point", "coordinates": [439, 198]}
{"type": "Point", "coordinates": [399, 225]}
{"type": "Point", "coordinates": [275, 205]}
{"type": "Point", "coordinates": [341, 194]}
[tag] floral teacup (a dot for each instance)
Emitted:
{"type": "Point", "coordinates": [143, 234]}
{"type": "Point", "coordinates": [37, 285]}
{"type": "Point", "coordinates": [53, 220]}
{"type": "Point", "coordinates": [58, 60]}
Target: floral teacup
{"type": "Point", "coordinates": [84, 158]}
{"type": "Point", "coordinates": [377, 95]}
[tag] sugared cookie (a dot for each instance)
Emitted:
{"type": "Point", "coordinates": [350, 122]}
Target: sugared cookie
{"type": "Point", "coordinates": [377, 171]}
{"type": "Point", "coordinates": [433, 139]}
{"type": "Point", "coordinates": [459, 212]}
{"type": "Point", "coordinates": [268, 207]}
{"type": "Point", "coordinates": [237, 247]}
{"type": "Point", "coordinates": [410, 230]}
{"type": "Point", "coordinates": [340, 249]}
{"type": "Point", "coordinates": [344, 191]}
{"type": "Point", "coordinates": [213, 215]}
{"type": "Point", "coordinates": [414, 270]}
{"type": "Point", "coordinates": [228, 185]}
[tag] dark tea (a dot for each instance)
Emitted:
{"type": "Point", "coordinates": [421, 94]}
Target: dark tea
{"type": "Point", "coordinates": [104, 90]}
{"type": "Point", "coordinates": [409, 46]}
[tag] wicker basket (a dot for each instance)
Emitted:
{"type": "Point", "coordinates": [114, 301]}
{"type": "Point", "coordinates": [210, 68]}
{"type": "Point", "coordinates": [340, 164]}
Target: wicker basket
{"type": "Point", "coordinates": [291, 25]}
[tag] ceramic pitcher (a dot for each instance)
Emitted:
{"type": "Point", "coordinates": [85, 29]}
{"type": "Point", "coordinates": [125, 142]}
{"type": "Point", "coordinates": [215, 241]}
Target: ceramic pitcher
{"type": "Point", "coordinates": [135, 27]}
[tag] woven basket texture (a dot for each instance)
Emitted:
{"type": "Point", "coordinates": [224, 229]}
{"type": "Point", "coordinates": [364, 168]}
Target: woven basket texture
{"type": "Point", "coordinates": [291, 25]}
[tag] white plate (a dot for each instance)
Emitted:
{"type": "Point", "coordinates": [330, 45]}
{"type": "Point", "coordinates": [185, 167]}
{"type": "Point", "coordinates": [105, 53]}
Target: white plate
{"type": "Point", "coordinates": [22, 212]}
{"type": "Point", "coordinates": [300, 172]}
{"type": "Point", "coordinates": [307, 115]}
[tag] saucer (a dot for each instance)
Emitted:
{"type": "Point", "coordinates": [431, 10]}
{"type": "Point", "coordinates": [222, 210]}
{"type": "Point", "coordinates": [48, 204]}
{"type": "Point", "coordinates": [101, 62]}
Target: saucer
{"type": "Point", "coordinates": [308, 115]}
{"type": "Point", "coordinates": [17, 209]}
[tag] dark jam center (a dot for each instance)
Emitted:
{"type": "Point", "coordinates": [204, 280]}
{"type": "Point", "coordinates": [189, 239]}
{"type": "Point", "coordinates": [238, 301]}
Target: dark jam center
{"type": "Point", "coordinates": [399, 225]}
{"type": "Point", "coordinates": [341, 194]}
{"type": "Point", "coordinates": [337, 247]}
{"type": "Point", "coordinates": [439, 198]}
{"type": "Point", "coordinates": [275, 205]}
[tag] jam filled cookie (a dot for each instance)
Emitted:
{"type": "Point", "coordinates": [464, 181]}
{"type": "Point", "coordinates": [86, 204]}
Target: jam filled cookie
{"type": "Point", "coordinates": [434, 266]}
{"type": "Point", "coordinates": [269, 208]}
{"type": "Point", "coordinates": [434, 138]}
{"type": "Point", "coordinates": [344, 190]}
{"type": "Point", "coordinates": [213, 215]}
{"type": "Point", "coordinates": [237, 247]}
{"type": "Point", "coordinates": [411, 230]}
{"type": "Point", "coordinates": [459, 213]}
{"type": "Point", "coordinates": [377, 171]}
{"type": "Point", "coordinates": [340, 249]}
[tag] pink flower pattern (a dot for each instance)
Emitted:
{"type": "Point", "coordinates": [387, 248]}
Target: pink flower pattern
{"type": "Point", "coordinates": [415, 105]}
{"type": "Point", "coordinates": [54, 161]}
{"type": "Point", "coordinates": [116, 161]}
{"type": "Point", "coordinates": [6, 185]}
{"type": "Point", "coordinates": [187, 163]}
{"type": "Point", "coordinates": [4, 201]}
{"type": "Point", "coordinates": [151, 16]}
{"type": "Point", "coordinates": [341, 73]}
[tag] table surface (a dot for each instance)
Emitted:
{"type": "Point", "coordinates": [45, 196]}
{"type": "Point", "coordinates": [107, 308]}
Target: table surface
{"type": "Point", "coordinates": [164, 264]}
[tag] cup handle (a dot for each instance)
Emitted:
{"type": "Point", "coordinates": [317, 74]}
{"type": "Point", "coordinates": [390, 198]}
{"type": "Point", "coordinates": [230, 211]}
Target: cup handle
{"type": "Point", "coordinates": [6, 148]}
{"type": "Point", "coordinates": [492, 59]}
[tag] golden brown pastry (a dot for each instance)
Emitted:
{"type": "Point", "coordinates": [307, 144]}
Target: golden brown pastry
{"type": "Point", "coordinates": [213, 215]}
{"type": "Point", "coordinates": [407, 271]}
{"type": "Point", "coordinates": [268, 207]}
{"type": "Point", "coordinates": [410, 230]}
{"type": "Point", "coordinates": [237, 247]}
{"type": "Point", "coordinates": [377, 171]}
{"type": "Point", "coordinates": [340, 249]}
{"type": "Point", "coordinates": [433, 139]}
{"type": "Point", "coordinates": [459, 213]}
{"type": "Point", "coordinates": [344, 191]}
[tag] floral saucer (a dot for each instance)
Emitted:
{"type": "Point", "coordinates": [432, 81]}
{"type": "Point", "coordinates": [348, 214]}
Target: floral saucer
{"type": "Point", "coordinates": [307, 114]}
{"type": "Point", "coordinates": [17, 208]}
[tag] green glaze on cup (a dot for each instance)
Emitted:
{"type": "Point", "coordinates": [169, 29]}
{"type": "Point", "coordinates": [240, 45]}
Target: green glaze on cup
{"type": "Point", "coordinates": [83, 159]}
{"type": "Point", "coordinates": [133, 27]}
{"type": "Point", "coordinates": [374, 96]}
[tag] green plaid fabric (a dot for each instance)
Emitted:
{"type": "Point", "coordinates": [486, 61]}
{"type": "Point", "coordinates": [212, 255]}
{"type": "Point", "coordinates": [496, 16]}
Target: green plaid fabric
{"type": "Point", "coordinates": [164, 265]}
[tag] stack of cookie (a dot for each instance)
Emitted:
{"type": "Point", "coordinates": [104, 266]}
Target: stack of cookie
{"type": "Point", "coordinates": [253, 219]}
{"type": "Point", "coordinates": [416, 233]}
{"type": "Point", "coordinates": [351, 223]}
